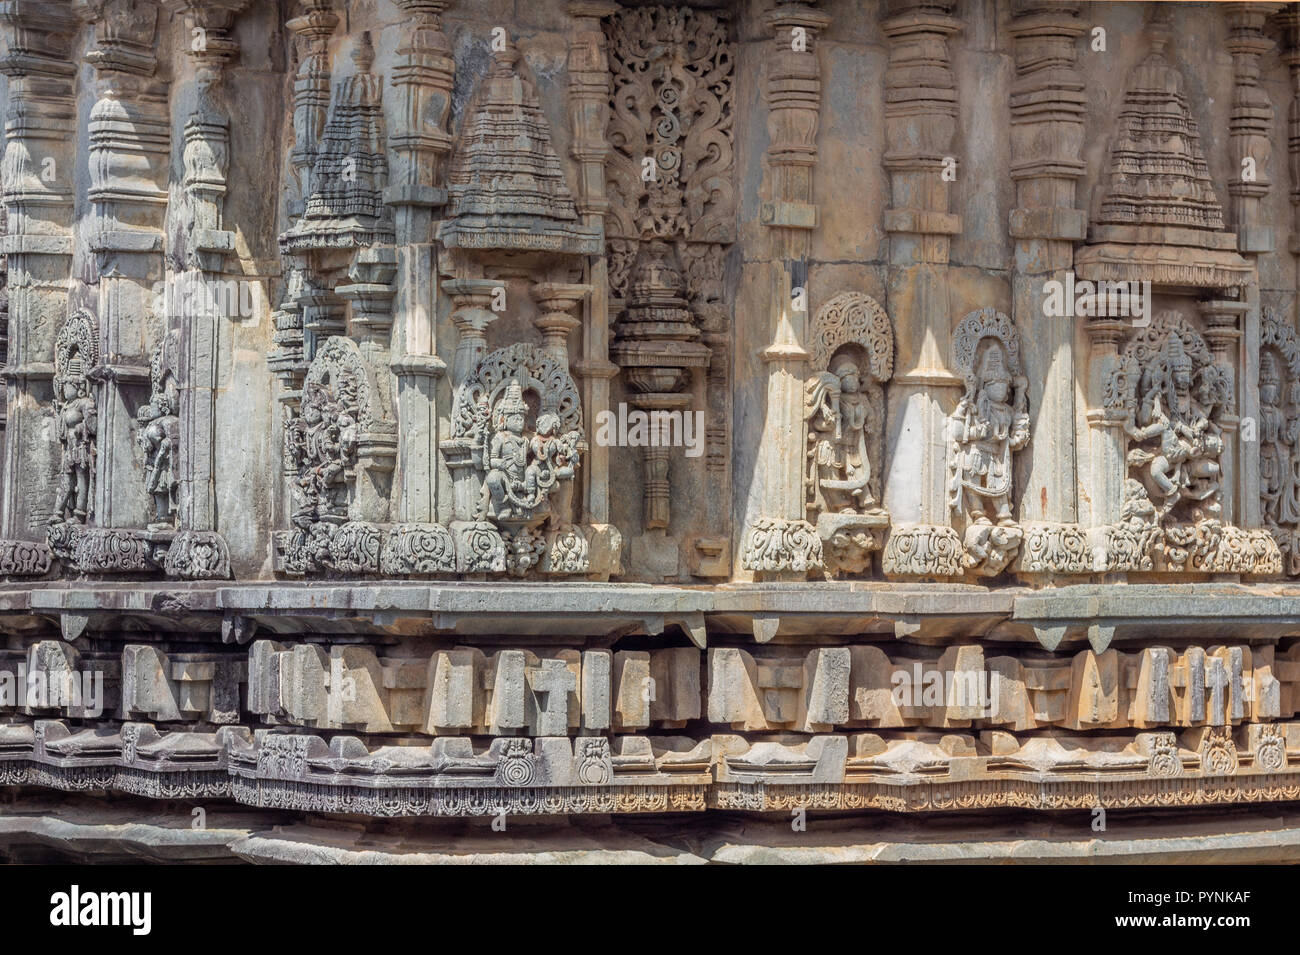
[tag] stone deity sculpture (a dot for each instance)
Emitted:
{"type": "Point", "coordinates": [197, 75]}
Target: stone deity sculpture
{"type": "Point", "coordinates": [159, 439]}
{"type": "Point", "coordinates": [989, 424]}
{"type": "Point", "coordinates": [837, 412]}
{"type": "Point", "coordinates": [77, 425]}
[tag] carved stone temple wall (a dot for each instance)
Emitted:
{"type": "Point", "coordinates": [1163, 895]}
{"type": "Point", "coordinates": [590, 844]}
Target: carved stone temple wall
{"type": "Point", "coordinates": [415, 409]}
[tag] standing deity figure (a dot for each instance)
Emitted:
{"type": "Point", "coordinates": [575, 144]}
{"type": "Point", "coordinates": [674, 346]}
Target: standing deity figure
{"type": "Point", "coordinates": [505, 492]}
{"type": "Point", "coordinates": [838, 416]}
{"type": "Point", "coordinates": [990, 422]}
{"type": "Point", "coordinates": [1184, 464]}
{"type": "Point", "coordinates": [159, 439]}
{"type": "Point", "coordinates": [77, 425]}
{"type": "Point", "coordinates": [1279, 429]}
{"type": "Point", "coordinates": [554, 456]}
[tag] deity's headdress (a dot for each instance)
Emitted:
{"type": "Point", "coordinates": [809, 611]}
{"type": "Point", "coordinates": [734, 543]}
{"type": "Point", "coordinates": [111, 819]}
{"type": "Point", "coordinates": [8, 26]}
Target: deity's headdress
{"type": "Point", "coordinates": [843, 363]}
{"type": "Point", "coordinates": [1269, 373]}
{"type": "Point", "coordinates": [1178, 358]}
{"type": "Point", "coordinates": [513, 401]}
{"type": "Point", "coordinates": [993, 366]}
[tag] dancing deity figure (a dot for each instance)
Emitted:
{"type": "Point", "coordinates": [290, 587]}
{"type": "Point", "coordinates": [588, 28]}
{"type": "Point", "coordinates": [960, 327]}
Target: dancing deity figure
{"type": "Point", "coordinates": [1185, 463]}
{"type": "Point", "coordinates": [837, 412]}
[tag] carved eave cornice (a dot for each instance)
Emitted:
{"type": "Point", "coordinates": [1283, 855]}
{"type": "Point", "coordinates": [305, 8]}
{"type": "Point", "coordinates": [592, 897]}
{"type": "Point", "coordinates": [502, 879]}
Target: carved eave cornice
{"type": "Point", "coordinates": [1164, 265]}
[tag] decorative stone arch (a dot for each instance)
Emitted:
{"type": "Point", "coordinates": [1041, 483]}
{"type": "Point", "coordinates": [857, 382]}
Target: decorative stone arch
{"type": "Point", "coordinates": [1276, 334]}
{"type": "Point", "coordinates": [1147, 352]}
{"type": "Point", "coordinates": [978, 448]}
{"type": "Point", "coordinates": [78, 338]}
{"type": "Point", "coordinates": [537, 371]}
{"type": "Point", "coordinates": [1149, 344]}
{"type": "Point", "coordinates": [842, 479]}
{"type": "Point", "coordinates": [971, 331]}
{"type": "Point", "coordinates": [339, 363]}
{"type": "Point", "coordinates": [858, 319]}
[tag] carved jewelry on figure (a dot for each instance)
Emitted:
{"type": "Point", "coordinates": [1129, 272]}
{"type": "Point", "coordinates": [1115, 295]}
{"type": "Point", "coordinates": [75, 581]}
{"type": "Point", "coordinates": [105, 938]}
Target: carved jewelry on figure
{"type": "Point", "coordinates": [990, 423]}
{"type": "Point", "coordinates": [76, 417]}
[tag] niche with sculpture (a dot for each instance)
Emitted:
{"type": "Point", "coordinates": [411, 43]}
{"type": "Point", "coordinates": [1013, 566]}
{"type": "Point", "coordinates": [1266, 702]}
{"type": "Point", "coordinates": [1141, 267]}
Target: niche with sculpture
{"type": "Point", "coordinates": [158, 435]}
{"type": "Point", "coordinates": [990, 424]}
{"type": "Point", "coordinates": [1176, 403]}
{"type": "Point", "coordinates": [339, 451]}
{"type": "Point", "coordinates": [516, 444]}
{"type": "Point", "coordinates": [852, 344]}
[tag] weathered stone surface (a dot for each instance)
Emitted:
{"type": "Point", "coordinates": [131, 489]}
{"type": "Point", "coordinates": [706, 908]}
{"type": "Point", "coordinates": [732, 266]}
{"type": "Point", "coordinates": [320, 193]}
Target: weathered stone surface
{"type": "Point", "coordinates": [415, 410]}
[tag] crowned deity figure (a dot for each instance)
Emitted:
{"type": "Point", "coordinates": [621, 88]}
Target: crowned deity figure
{"type": "Point", "coordinates": [838, 415]}
{"type": "Point", "coordinates": [1279, 428]}
{"type": "Point", "coordinates": [990, 422]}
{"type": "Point", "coordinates": [505, 492]}
{"type": "Point", "coordinates": [159, 439]}
{"type": "Point", "coordinates": [77, 425]}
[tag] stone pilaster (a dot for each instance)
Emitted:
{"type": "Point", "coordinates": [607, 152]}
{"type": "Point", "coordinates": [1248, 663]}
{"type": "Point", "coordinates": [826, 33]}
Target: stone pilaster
{"type": "Point", "coordinates": [130, 153]}
{"type": "Point", "coordinates": [1290, 23]}
{"type": "Point", "coordinates": [589, 88]}
{"type": "Point", "coordinates": [208, 248]}
{"type": "Point", "coordinates": [1224, 322]}
{"type": "Point", "coordinates": [423, 78]}
{"type": "Point", "coordinates": [920, 123]}
{"type": "Point", "coordinates": [779, 540]}
{"type": "Point", "coordinates": [312, 30]}
{"type": "Point", "coordinates": [1105, 425]}
{"type": "Point", "coordinates": [1250, 126]}
{"type": "Point", "coordinates": [39, 163]}
{"type": "Point", "coordinates": [1048, 104]}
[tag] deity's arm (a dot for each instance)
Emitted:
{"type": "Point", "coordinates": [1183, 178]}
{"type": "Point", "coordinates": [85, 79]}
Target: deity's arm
{"type": "Point", "coordinates": [1020, 432]}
